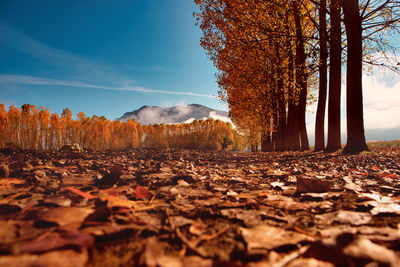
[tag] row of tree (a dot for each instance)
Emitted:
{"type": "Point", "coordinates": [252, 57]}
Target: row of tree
{"type": "Point", "coordinates": [31, 128]}
{"type": "Point", "coordinates": [272, 54]}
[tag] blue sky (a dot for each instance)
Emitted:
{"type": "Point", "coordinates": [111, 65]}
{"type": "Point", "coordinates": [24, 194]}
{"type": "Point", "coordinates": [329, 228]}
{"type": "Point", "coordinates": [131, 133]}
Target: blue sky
{"type": "Point", "coordinates": [103, 57]}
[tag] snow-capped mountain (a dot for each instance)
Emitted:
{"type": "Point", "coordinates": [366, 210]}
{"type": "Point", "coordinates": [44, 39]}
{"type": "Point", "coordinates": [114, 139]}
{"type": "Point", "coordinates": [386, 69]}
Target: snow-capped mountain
{"type": "Point", "coordinates": [177, 114]}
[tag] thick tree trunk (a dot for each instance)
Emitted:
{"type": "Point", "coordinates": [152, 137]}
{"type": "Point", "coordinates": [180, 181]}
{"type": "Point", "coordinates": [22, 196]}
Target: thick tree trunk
{"type": "Point", "coordinates": [302, 119]}
{"type": "Point", "coordinates": [293, 135]}
{"type": "Point", "coordinates": [323, 79]}
{"type": "Point", "coordinates": [254, 148]}
{"type": "Point", "coordinates": [335, 79]}
{"type": "Point", "coordinates": [354, 102]}
{"type": "Point", "coordinates": [281, 104]}
{"type": "Point", "coordinates": [282, 123]}
{"type": "Point", "coordinates": [275, 133]}
{"type": "Point", "coordinates": [301, 78]}
{"type": "Point", "coordinates": [266, 144]}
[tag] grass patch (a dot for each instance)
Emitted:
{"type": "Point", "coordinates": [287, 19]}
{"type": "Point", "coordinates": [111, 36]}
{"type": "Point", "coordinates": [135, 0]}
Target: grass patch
{"type": "Point", "coordinates": [377, 144]}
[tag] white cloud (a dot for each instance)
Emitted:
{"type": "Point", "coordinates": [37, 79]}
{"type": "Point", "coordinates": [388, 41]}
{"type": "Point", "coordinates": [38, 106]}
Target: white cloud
{"type": "Point", "coordinates": [215, 116]}
{"type": "Point", "coordinates": [381, 98]}
{"type": "Point", "coordinates": [175, 114]}
{"type": "Point", "coordinates": [32, 80]}
{"type": "Point", "coordinates": [168, 103]}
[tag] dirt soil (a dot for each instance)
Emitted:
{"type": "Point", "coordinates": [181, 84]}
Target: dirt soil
{"type": "Point", "coordinates": [153, 207]}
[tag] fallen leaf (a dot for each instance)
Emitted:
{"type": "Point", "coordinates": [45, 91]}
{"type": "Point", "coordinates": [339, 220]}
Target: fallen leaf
{"type": "Point", "coordinates": [196, 228]}
{"type": "Point", "coordinates": [308, 185]}
{"type": "Point", "coordinates": [64, 215]}
{"type": "Point", "coordinates": [350, 185]}
{"type": "Point", "coordinates": [63, 258]}
{"type": "Point", "coordinates": [388, 175]}
{"type": "Point", "coordinates": [53, 241]}
{"type": "Point", "coordinates": [365, 249]}
{"type": "Point", "coordinates": [309, 262]}
{"type": "Point", "coordinates": [4, 182]}
{"type": "Point", "coordinates": [353, 217]}
{"type": "Point", "coordinates": [142, 192]}
{"type": "Point", "coordinates": [262, 238]}
{"type": "Point", "coordinates": [155, 255]}
{"type": "Point", "coordinates": [386, 208]}
{"type": "Point", "coordinates": [375, 168]}
{"type": "Point", "coordinates": [110, 178]}
{"type": "Point", "coordinates": [80, 193]}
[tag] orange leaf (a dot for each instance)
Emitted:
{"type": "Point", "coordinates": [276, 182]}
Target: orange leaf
{"type": "Point", "coordinates": [142, 192]}
{"type": "Point", "coordinates": [392, 176]}
{"type": "Point", "coordinates": [11, 181]}
{"type": "Point", "coordinates": [375, 168]}
{"type": "Point", "coordinates": [80, 193]}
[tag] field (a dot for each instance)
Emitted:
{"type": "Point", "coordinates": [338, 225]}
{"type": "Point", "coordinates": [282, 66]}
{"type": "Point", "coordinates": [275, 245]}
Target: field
{"type": "Point", "coordinates": [161, 207]}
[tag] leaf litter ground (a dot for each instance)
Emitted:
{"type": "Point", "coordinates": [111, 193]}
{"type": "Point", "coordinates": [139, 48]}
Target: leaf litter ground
{"type": "Point", "coordinates": [159, 207]}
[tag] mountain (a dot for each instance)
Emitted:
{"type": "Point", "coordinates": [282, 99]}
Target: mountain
{"type": "Point", "coordinates": [176, 114]}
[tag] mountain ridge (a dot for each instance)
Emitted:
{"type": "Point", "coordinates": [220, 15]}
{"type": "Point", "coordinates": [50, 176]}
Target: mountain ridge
{"type": "Point", "coordinates": [176, 114]}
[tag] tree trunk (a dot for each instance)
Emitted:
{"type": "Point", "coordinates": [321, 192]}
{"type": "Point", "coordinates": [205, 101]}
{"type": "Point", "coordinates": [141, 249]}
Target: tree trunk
{"type": "Point", "coordinates": [281, 103]}
{"type": "Point", "coordinates": [281, 115]}
{"type": "Point", "coordinates": [335, 80]}
{"type": "Point", "coordinates": [323, 79]}
{"type": "Point", "coordinates": [302, 119]}
{"type": "Point", "coordinates": [266, 144]}
{"type": "Point", "coordinates": [293, 135]}
{"type": "Point", "coordinates": [354, 102]}
{"type": "Point", "coordinates": [301, 78]}
{"type": "Point", "coordinates": [282, 123]}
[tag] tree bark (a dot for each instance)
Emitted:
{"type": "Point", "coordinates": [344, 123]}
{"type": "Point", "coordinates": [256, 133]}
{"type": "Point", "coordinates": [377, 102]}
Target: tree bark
{"type": "Point", "coordinates": [281, 103]}
{"type": "Point", "coordinates": [323, 79]}
{"type": "Point", "coordinates": [301, 78]}
{"type": "Point", "coordinates": [335, 79]}
{"type": "Point", "coordinates": [354, 102]}
{"type": "Point", "coordinates": [266, 144]}
{"type": "Point", "coordinates": [293, 135]}
{"type": "Point", "coordinates": [282, 122]}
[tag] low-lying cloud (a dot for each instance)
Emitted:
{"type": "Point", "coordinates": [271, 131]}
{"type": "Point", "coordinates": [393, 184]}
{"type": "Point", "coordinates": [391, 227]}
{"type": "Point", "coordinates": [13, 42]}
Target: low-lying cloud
{"type": "Point", "coordinates": [176, 114]}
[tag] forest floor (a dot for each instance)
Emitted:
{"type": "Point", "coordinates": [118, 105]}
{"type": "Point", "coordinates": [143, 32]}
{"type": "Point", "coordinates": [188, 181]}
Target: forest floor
{"type": "Point", "coordinates": [159, 207]}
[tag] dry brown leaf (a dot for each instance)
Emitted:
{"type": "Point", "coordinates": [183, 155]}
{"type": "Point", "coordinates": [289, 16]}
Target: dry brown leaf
{"type": "Point", "coordinates": [307, 185]}
{"type": "Point", "coordinates": [63, 258]}
{"type": "Point", "coordinates": [262, 238]}
{"type": "Point", "coordinates": [64, 216]}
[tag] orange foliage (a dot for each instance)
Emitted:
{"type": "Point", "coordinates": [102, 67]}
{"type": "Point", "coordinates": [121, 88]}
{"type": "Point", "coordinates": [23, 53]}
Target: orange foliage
{"type": "Point", "coordinates": [258, 50]}
{"type": "Point", "coordinates": [32, 128]}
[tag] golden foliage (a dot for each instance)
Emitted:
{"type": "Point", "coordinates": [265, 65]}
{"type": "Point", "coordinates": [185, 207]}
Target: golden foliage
{"type": "Point", "coordinates": [31, 128]}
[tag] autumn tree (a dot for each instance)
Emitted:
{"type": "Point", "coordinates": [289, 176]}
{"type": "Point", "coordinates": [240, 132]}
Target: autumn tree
{"type": "Point", "coordinates": [260, 51]}
{"type": "Point", "coordinates": [335, 79]}
{"type": "Point", "coordinates": [32, 128]}
{"type": "Point", "coordinates": [44, 126]}
{"type": "Point", "coordinates": [67, 126]}
{"type": "Point", "coordinates": [323, 78]}
{"type": "Point", "coordinates": [372, 18]}
{"type": "Point", "coordinates": [3, 125]}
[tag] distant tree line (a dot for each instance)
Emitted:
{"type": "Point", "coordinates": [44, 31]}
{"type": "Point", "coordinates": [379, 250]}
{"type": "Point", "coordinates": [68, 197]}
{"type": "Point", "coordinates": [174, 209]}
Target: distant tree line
{"type": "Point", "coordinates": [34, 128]}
